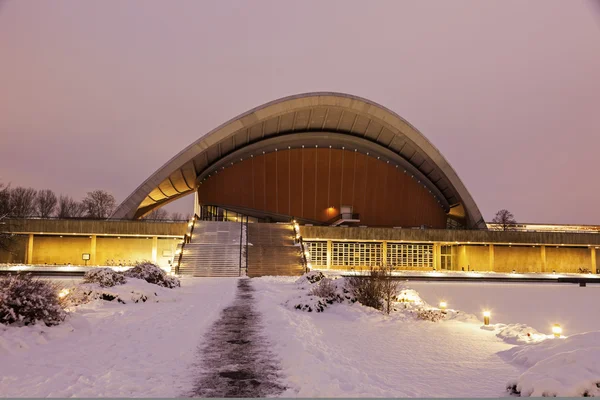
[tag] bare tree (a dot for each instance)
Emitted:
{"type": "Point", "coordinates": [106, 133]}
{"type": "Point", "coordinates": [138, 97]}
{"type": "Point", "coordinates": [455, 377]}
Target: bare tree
{"type": "Point", "coordinates": [158, 214]}
{"type": "Point", "coordinates": [505, 219]}
{"type": "Point", "coordinates": [389, 287]}
{"type": "Point", "coordinates": [6, 237]}
{"type": "Point", "coordinates": [45, 203]}
{"type": "Point", "coordinates": [69, 208]}
{"type": "Point", "coordinates": [22, 202]}
{"type": "Point", "coordinates": [99, 204]}
{"type": "Point", "coordinates": [5, 206]}
{"type": "Point", "coordinates": [176, 216]}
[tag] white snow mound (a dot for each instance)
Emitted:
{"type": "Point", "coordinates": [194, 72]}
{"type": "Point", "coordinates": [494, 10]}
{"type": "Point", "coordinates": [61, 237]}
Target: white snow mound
{"type": "Point", "coordinates": [564, 367]}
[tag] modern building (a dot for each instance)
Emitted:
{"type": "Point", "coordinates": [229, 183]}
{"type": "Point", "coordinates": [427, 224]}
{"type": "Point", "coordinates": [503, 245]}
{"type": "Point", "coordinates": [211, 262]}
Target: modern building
{"type": "Point", "coordinates": [364, 186]}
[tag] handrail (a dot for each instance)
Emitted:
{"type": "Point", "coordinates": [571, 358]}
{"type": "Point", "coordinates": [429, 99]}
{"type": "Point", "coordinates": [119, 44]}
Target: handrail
{"type": "Point", "coordinates": [341, 216]}
{"type": "Point", "coordinates": [246, 245]}
{"type": "Point", "coordinates": [186, 239]}
{"type": "Point", "coordinates": [298, 239]}
{"type": "Point", "coordinates": [241, 243]}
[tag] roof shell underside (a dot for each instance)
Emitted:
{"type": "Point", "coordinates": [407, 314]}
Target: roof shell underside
{"type": "Point", "coordinates": [332, 113]}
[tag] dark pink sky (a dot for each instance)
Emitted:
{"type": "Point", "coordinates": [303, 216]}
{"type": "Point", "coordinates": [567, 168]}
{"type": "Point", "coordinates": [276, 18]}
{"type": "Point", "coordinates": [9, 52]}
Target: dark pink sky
{"type": "Point", "coordinates": [99, 94]}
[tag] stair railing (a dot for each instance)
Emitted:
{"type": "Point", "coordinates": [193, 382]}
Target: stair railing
{"type": "Point", "coordinates": [186, 239]}
{"type": "Point", "coordinates": [298, 239]}
{"type": "Point", "coordinates": [241, 242]}
{"type": "Point", "coordinates": [246, 245]}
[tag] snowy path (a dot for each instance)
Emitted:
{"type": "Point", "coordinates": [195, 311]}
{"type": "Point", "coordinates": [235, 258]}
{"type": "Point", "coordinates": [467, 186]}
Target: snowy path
{"type": "Point", "coordinates": [350, 351]}
{"type": "Point", "coordinates": [133, 350]}
{"type": "Point", "coordinates": [235, 360]}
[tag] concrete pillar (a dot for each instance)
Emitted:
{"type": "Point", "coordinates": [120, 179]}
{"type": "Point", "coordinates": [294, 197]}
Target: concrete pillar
{"type": "Point", "coordinates": [384, 251]}
{"type": "Point", "coordinates": [593, 253]}
{"type": "Point", "coordinates": [154, 248]}
{"type": "Point", "coordinates": [29, 255]}
{"type": "Point", "coordinates": [329, 247]}
{"type": "Point", "coordinates": [491, 246]}
{"type": "Point", "coordinates": [93, 260]}
{"type": "Point", "coordinates": [543, 256]}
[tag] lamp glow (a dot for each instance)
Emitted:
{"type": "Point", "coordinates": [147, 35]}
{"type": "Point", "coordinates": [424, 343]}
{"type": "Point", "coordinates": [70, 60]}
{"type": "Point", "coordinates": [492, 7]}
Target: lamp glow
{"type": "Point", "coordinates": [486, 317]}
{"type": "Point", "coordinates": [443, 305]}
{"type": "Point", "coordinates": [556, 330]}
{"type": "Point", "coordinates": [63, 293]}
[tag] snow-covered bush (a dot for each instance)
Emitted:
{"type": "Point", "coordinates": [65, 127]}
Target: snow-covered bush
{"type": "Point", "coordinates": [152, 273]}
{"type": "Point", "coordinates": [326, 292]}
{"type": "Point", "coordinates": [325, 289]}
{"type": "Point", "coordinates": [431, 314]}
{"type": "Point", "coordinates": [310, 278]}
{"type": "Point", "coordinates": [134, 291]}
{"type": "Point", "coordinates": [25, 301]}
{"type": "Point", "coordinates": [105, 277]}
{"type": "Point", "coordinates": [368, 288]}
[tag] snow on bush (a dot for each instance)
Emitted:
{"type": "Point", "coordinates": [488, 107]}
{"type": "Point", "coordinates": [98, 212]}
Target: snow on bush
{"type": "Point", "coordinates": [151, 273]}
{"type": "Point", "coordinates": [565, 367]}
{"type": "Point", "coordinates": [323, 292]}
{"type": "Point", "coordinates": [26, 301]}
{"type": "Point", "coordinates": [105, 277]}
{"type": "Point", "coordinates": [309, 278]}
{"type": "Point", "coordinates": [134, 291]}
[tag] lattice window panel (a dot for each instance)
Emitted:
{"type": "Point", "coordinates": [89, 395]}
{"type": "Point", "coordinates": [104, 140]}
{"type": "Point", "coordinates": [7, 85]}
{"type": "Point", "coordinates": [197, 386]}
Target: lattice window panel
{"type": "Point", "coordinates": [318, 253]}
{"type": "Point", "coordinates": [410, 255]}
{"type": "Point", "coordinates": [356, 254]}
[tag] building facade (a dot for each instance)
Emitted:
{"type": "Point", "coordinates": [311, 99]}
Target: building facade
{"type": "Point", "coordinates": [366, 187]}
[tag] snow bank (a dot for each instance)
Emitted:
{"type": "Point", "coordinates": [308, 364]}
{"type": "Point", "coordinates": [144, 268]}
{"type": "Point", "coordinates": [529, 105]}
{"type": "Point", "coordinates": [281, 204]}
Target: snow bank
{"type": "Point", "coordinates": [354, 351]}
{"type": "Point", "coordinates": [565, 367]}
{"type": "Point", "coordinates": [516, 333]}
{"type": "Point", "coordinates": [109, 349]}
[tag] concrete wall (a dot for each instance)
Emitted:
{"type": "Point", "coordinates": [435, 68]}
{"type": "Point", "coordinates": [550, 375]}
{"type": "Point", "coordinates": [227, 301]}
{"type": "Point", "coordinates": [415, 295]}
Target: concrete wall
{"type": "Point", "coordinates": [472, 258]}
{"type": "Point", "coordinates": [568, 259]}
{"type": "Point", "coordinates": [449, 236]}
{"type": "Point", "coordinates": [97, 227]}
{"type": "Point", "coordinates": [524, 255]}
{"type": "Point", "coordinates": [17, 253]}
{"type": "Point", "coordinates": [57, 250]}
{"type": "Point", "coordinates": [126, 251]}
{"type": "Point", "coordinates": [518, 258]}
{"type": "Point", "coordinates": [65, 241]}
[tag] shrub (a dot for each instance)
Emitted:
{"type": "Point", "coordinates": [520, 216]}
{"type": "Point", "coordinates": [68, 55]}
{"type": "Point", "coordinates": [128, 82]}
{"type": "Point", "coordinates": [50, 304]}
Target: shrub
{"type": "Point", "coordinates": [432, 315]}
{"type": "Point", "coordinates": [368, 288]}
{"type": "Point", "coordinates": [325, 289]}
{"type": "Point", "coordinates": [310, 277]}
{"type": "Point", "coordinates": [24, 301]}
{"type": "Point", "coordinates": [105, 277]}
{"type": "Point", "coordinates": [325, 293]}
{"type": "Point", "coordinates": [151, 273]}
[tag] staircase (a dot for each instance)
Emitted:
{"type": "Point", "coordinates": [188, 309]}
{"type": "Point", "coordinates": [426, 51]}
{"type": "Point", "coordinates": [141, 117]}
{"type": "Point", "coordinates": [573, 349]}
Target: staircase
{"type": "Point", "coordinates": [214, 250]}
{"type": "Point", "coordinates": [271, 250]}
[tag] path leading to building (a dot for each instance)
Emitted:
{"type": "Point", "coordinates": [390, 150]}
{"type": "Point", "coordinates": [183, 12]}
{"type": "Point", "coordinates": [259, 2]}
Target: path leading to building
{"type": "Point", "coordinates": [236, 360]}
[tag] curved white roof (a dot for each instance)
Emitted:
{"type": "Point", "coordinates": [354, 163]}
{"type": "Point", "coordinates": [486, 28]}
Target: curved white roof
{"type": "Point", "coordinates": [324, 117]}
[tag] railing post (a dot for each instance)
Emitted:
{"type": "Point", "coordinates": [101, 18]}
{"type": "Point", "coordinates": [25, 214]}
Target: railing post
{"type": "Point", "coordinates": [246, 245]}
{"type": "Point", "coordinates": [241, 234]}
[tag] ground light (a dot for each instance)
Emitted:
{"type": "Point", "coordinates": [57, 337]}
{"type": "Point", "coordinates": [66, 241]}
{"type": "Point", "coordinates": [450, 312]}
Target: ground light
{"type": "Point", "coordinates": [443, 305]}
{"type": "Point", "coordinates": [63, 293]}
{"type": "Point", "coordinates": [486, 317]}
{"type": "Point", "coordinates": [556, 330]}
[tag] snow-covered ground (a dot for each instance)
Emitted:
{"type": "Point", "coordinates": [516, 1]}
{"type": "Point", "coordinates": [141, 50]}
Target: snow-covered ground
{"type": "Point", "coordinates": [151, 349]}
{"type": "Point", "coordinates": [107, 349]}
{"type": "Point", "coordinates": [350, 350]}
{"type": "Point", "coordinates": [539, 305]}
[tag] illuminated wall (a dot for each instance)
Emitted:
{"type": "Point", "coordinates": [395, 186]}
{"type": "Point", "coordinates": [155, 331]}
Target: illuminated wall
{"type": "Point", "coordinates": [313, 183]}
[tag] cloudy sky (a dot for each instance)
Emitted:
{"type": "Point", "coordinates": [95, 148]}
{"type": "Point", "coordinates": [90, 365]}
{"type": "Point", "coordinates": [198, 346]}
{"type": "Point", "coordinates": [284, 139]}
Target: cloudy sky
{"type": "Point", "coordinates": [99, 94]}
